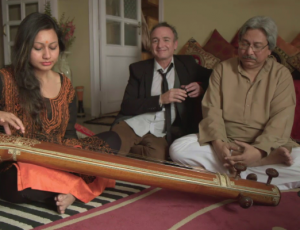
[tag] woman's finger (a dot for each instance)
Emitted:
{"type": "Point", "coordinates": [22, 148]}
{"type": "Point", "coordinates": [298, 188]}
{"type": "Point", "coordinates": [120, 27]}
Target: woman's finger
{"type": "Point", "coordinates": [7, 129]}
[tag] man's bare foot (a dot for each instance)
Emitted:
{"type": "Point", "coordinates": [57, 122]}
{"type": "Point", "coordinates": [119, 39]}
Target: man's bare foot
{"type": "Point", "coordinates": [278, 156]}
{"type": "Point", "coordinates": [63, 201]}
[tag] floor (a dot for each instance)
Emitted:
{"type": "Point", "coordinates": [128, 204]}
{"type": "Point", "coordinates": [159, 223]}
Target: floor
{"type": "Point", "coordinates": [94, 128]}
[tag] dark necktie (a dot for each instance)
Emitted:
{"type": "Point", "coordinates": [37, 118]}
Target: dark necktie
{"type": "Point", "coordinates": [165, 88]}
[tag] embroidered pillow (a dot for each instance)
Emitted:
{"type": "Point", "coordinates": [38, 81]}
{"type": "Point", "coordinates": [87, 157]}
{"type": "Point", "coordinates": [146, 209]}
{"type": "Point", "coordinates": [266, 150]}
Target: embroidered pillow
{"type": "Point", "coordinates": [281, 57]}
{"type": "Point", "coordinates": [205, 59]}
{"type": "Point", "coordinates": [295, 61]}
{"type": "Point", "coordinates": [289, 49]}
{"type": "Point", "coordinates": [219, 47]}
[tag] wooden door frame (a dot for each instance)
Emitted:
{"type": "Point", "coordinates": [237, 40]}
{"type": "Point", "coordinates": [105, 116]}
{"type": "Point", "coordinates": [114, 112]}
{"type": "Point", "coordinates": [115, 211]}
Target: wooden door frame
{"type": "Point", "coordinates": [95, 36]}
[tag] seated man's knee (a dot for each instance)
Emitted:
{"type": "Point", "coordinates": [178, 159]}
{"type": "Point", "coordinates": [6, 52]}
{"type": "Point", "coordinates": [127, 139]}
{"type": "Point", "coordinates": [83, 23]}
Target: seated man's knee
{"type": "Point", "coordinates": [181, 146]}
{"type": "Point", "coordinates": [111, 138]}
{"type": "Point", "coordinates": [174, 152]}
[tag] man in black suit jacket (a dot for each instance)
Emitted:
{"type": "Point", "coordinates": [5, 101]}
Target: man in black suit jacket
{"type": "Point", "coordinates": [141, 121]}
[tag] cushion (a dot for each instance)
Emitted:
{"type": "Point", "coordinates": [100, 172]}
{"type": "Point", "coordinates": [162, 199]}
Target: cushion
{"type": "Point", "coordinates": [205, 59]}
{"type": "Point", "coordinates": [295, 61]}
{"type": "Point", "coordinates": [296, 76]}
{"type": "Point", "coordinates": [82, 131]}
{"type": "Point", "coordinates": [296, 127]}
{"type": "Point", "coordinates": [296, 41]}
{"type": "Point", "coordinates": [289, 49]}
{"type": "Point", "coordinates": [235, 42]}
{"type": "Point", "coordinates": [281, 57]}
{"type": "Point", "coordinates": [219, 47]}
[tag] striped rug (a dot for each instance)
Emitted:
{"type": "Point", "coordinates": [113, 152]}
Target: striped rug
{"type": "Point", "coordinates": [29, 216]}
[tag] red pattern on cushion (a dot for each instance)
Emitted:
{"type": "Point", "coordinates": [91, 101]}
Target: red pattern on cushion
{"type": "Point", "coordinates": [289, 49]}
{"type": "Point", "coordinates": [84, 130]}
{"type": "Point", "coordinates": [219, 47]}
{"type": "Point", "coordinates": [197, 59]}
{"type": "Point", "coordinates": [296, 127]}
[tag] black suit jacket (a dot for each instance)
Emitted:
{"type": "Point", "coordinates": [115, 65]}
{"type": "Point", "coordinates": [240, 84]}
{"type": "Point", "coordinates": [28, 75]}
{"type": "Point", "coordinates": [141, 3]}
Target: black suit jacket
{"type": "Point", "coordinates": [138, 100]}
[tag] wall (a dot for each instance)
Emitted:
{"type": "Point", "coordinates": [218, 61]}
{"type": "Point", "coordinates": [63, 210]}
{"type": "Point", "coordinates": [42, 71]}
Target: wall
{"type": "Point", "coordinates": [192, 18]}
{"type": "Point", "coordinates": [79, 59]}
{"type": "Point", "coordinates": [198, 18]}
{"type": "Point", "coordinates": [1, 41]}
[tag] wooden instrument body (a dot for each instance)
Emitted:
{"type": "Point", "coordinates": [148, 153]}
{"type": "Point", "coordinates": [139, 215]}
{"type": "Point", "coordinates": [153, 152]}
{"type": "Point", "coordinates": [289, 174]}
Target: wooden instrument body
{"type": "Point", "coordinates": [133, 170]}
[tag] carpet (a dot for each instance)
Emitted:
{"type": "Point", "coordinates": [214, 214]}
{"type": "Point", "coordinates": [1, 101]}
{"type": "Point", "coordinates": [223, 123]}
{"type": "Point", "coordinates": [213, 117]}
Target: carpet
{"type": "Point", "coordinates": [29, 216]}
{"type": "Point", "coordinates": [106, 119]}
{"type": "Point", "coordinates": [161, 209]}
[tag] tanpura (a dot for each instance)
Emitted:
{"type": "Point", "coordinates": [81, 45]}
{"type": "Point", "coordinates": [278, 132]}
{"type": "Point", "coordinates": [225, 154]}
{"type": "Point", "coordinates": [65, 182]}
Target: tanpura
{"type": "Point", "coordinates": [140, 171]}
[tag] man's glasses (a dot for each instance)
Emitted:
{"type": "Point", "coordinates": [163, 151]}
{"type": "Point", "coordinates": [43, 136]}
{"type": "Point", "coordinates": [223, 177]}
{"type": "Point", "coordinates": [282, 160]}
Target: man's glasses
{"type": "Point", "coordinates": [255, 48]}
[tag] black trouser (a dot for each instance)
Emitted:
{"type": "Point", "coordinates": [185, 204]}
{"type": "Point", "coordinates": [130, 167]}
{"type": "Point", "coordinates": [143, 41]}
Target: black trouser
{"type": "Point", "coordinates": [9, 190]}
{"type": "Point", "coordinates": [112, 139]}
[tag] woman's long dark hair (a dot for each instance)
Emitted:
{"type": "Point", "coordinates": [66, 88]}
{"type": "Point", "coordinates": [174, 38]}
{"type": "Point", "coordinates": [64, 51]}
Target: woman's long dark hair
{"type": "Point", "coordinates": [28, 85]}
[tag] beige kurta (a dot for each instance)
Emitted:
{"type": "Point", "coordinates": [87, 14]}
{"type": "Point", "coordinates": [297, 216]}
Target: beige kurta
{"type": "Point", "coordinates": [260, 113]}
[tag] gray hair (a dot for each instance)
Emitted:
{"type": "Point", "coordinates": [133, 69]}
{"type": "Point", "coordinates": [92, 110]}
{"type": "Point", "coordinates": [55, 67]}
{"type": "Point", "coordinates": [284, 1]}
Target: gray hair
{"type": "Point", "coordinates": [266, 24]}
{"type": "Point", "coordinates": [165, 24]}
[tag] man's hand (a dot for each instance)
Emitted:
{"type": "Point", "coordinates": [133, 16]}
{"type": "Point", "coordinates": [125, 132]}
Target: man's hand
{"type": "Point", "coordinates": [173, 95]}
{"type": "Point", "coordinates": [223, 151]}
{"type": "Point", "coordinates": [7, 119]}
{"type": "Point", "coordinates": [193, 89]}
{"type": "Point", "coordinates": [248, 156]}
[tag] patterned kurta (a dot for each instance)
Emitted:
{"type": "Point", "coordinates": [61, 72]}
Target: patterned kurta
{"type": "Point", "coordinates": [58, 122]}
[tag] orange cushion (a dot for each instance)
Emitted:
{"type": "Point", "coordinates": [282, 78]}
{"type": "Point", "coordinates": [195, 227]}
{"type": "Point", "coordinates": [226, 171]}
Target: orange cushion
{"type": "Point", "coordinates": [219, 47]}
{"type": "Point", "coordinates": [296, 41]}
{"type": "Point", "coordinates": [187, 45]}
{"type": "Point", "coordinates": [289, 49]}
{"type": "Point", "coordinates": [205, 59]}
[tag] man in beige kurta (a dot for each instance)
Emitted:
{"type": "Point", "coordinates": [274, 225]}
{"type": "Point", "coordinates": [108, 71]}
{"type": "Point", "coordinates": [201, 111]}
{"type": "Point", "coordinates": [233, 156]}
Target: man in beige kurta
{"type": "Point", "coordinates": [248, 113]}
{"type": "Point", "coordinates": [260, 113]}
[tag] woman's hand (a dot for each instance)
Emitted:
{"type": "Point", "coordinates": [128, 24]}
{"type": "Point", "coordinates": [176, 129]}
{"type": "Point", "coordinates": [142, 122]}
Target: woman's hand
{"type": "Point", "coordinates": [7, 119]}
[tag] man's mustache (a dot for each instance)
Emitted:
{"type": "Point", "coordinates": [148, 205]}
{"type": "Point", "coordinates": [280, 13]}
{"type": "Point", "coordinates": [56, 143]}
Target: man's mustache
{"type": "Point", "coordinates": [249, 57]}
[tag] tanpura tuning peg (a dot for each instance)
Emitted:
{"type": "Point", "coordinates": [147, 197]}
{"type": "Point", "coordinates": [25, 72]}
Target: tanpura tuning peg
{"type": "Point", "coordinates": [239, 167]}
{"type": "Point", "coordinates": [252, 176]}
{"type": "Point", "coordinates": [271, 173]}
{"type": "Point", "coordinates": [245, 201]}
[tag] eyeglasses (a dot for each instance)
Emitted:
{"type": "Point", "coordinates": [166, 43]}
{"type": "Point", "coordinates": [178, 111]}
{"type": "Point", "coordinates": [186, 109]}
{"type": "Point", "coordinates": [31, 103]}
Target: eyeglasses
{"type": "Point", "coordinates": [255, 48]}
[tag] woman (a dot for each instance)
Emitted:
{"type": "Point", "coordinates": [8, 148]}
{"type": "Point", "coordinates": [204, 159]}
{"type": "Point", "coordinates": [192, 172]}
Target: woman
{"type": "Point", "coordinates": [38, 103]}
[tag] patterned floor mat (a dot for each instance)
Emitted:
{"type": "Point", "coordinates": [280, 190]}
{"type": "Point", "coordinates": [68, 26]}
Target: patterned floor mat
{"type": "Point", "coordinates": [29, 216]}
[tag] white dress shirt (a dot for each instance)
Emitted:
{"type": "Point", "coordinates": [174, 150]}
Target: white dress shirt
{"type": "Point", "coordinates": [154, 122]}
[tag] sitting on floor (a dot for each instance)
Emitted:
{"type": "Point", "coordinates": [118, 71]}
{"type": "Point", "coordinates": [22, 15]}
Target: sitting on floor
{"type": "Point", "coordinates": [160, 98]}
{"type": "Point", "coordinates": [248, 113]}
